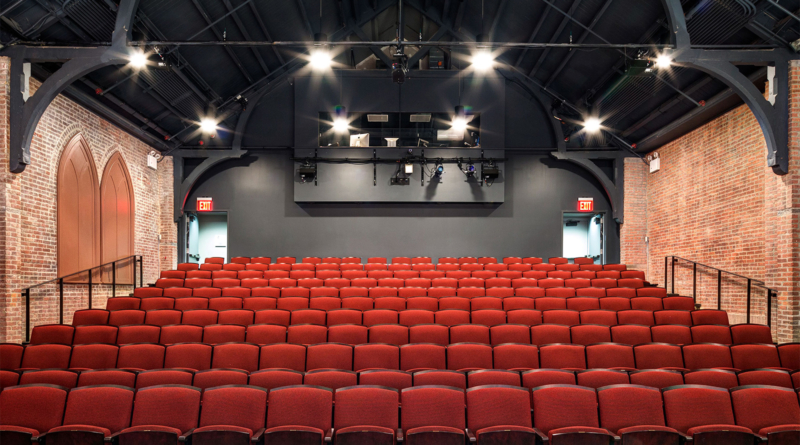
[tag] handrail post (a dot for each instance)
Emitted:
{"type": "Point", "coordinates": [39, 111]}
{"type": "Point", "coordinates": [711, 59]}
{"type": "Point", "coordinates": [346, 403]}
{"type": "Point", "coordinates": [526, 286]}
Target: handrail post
{"type": "Point", "coordinates": [141, 271]}
{"type": "Point", "coordinates": [61, 301]}
{"type": "Point", "coordinates": [719, 289]}
{"type": "Point", "coordinates": [665, 272]}
{"type": "Point", "coordinates": [749, 282]}
{"type": "Point", "coordinates": [114, 279]}
{"type": "Point", "coordinates": [134, 272]}
{"type": "Point", "coordinates": [769, 309]}
{"type": "Point", "coordinates": [694, 282]}
{"type": "Point", "coordinates": [673, 275]}
{"type": "Point", "coordinates": [90, 289]}
{"type": "Point", "coordinates": [27, 315]}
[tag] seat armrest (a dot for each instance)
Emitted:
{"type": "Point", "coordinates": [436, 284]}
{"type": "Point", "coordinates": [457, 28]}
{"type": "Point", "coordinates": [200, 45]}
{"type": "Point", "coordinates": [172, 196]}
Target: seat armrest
{"type": "Point", "coordinates": [329, 436]}
{"type": "Point", "coordinates": [183, 437]}
{"type": "Point", "coordinates": [399, 435]}
{"type": "Point", "coordinates": [470, 436]}
{"type": "Point", "coordinates": [761, 439]}
{"type": "Point", "coordinates": [257, 435]}
{"type": "Point", "coordinates": [541, 438]}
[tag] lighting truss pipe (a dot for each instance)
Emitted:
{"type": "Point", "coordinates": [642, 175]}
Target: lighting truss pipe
{"type": "Point", "coordinates": [303, 43]}
{"type": "Point", "coordinates": [789, 13]}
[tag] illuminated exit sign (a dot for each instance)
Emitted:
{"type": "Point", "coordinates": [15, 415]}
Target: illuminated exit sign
{"type": "Point", "coordinates": [586, 204]}
{"type": "Point", "coordinates": [205, 204]}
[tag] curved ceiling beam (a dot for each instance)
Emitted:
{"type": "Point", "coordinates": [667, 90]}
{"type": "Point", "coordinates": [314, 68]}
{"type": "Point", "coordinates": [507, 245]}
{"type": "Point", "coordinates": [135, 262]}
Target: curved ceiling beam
{"type": "Point", "coordinates": [25, 115]}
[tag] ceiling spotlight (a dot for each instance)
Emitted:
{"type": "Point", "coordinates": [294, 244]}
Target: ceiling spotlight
{"type": "Point", "coordinates": [320, 60]}
{"type": "Point", "coordinates": [459, 123]}
{"type": "Point", "coordinates": [592, 125]}
{"type": "Point", "coordinates": [482, 60]}
{"type": "Point", "coordinates": [663, 61]}
{"type": "Point", "coordinates": [138, 60]}
{"type": "Point", "coordinates": [208, 125]}
{"type": "Point", "coordinates": [340, 125]}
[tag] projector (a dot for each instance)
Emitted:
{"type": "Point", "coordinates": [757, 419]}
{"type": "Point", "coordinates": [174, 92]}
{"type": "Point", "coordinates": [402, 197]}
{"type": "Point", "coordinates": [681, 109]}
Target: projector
{"type": "Point", "coordinates": [399, 69]}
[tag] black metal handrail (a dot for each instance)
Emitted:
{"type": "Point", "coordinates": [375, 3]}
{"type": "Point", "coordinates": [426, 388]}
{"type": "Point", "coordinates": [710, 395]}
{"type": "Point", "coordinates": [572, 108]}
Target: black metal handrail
{"type": "Point", "coordinates": [669, 278]}
{"type": "Point", "coordinates": [60, 280]}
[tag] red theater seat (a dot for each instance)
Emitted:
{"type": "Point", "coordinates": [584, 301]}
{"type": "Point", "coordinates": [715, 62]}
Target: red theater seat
{"type": "Point", "coordinates": [704, 413]}
{"type": "Point", "coordinates": [118, 377]}
{"type": "Point", "coordinates": [440, 377]}
{"type": "Point", "coordinates": [568, 414]}
{"type": "Point", "coordinates": [635, 413]}
{"type": "Point", "coordinates": [514, 356]}
{"type": "Point", "coordinates": [433, 415]}
{"type": "Point", "coordinates": [221, 422]}
{"type": "Point", "coordinates": [29, 411]}
{"type": "Point", "coordinates": [500, 414]}
{"type": "Point", "coordinates": [283, 356]}
{"type": "Point", "coordinates": [156, 418]}
{"type": "Point", "coordinates": [376, 425]}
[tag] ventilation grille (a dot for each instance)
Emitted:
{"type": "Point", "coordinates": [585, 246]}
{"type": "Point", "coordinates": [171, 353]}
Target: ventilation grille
{"type": "Point", "coordinates": [378, 118]}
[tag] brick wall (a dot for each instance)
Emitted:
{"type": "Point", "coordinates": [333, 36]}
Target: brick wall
{"type": "Point", "coordinates": [716, 202]}
{"type": "Point", "coordinates": [28, 224]}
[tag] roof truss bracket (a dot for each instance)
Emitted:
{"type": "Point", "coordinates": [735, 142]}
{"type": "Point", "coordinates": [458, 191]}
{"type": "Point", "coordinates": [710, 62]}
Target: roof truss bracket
{"type": "Point", "coordinates": [773, 119]}
{"type": "Point", "coordinates": [25, 115]}
{"type": "Point", "coordinates": [615, 189]}
{"type": "Point", "coordinates": [183, 188]}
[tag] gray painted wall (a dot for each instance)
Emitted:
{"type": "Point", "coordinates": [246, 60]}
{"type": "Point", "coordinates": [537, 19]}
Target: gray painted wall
{"type": "Point", "coordinates": [264, 219]}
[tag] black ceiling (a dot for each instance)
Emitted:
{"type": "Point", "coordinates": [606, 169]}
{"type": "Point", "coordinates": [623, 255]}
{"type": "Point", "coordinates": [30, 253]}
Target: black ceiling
{"type": "Point", "coordinates": [167, 103]}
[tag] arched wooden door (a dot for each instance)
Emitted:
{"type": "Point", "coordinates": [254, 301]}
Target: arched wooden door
{"type": "Point", "coordinates": [117, 217]}
{"type": "Point", "coordinates": [78, 207]}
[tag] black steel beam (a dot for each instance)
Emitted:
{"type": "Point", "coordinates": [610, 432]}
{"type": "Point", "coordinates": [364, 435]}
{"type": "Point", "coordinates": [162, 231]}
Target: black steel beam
{"type": "Point", "coordinates": [230, 52]}
{"type": "Point", "coordinates": [265, 31]}
{"type": "Point", "coordinates": [555, 36]}
{"type": "Point", "coordinates": [597, 16]}
{"type": "Point", "coordinates": [533, 35]}
{"type": "Point", "coordinates": [246, 35]}
{"type": "Point", "coordinates": [614, 187]}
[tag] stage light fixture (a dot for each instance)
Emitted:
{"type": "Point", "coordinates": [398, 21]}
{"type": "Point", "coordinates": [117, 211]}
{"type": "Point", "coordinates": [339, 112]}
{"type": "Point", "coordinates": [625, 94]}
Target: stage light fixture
{"type": "Point", "coordinates": [592, 125]}
{"type": "Point", "coordinates": [482, 60]}
{"type": "Point", "coordinates": [307, 172]}
{"type": "Point", "coordinates": [438, 170]}
{"type": "Point", "coordinates": [138, 60]}
{"type": "Point", "coordinates": [470, 171]}
{"type": "Point", "coordinates": [663, 61]}
{"type": "Point", "coordinates": [208, 125]}
{"type": "Point", "coordinates": [320, 60]}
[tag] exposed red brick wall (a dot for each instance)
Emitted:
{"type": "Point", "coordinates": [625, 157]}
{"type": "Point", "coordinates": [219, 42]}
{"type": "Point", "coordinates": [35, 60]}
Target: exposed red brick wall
{"type": "Point", "coordinates": [28, 224]}
{"type": "Point", "coordinates": [716, 202]}
{"type": "Point", "coordinates": [632, 234]}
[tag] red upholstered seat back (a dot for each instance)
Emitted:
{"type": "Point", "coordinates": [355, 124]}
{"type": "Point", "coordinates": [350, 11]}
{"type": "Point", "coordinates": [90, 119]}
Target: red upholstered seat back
{"type": "Point", "coordinates": [172, 406]}
{"type": "Point", "coordinates": [37, 407]}
{"type": "Point", "coordinates": [302, 406]}
{"type": "Point", "coordinates": [244, 407]}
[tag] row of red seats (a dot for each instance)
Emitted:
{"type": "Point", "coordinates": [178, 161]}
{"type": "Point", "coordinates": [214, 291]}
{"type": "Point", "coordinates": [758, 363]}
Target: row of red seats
{"type": "Point", "coordinates": [420, 283]}
{"type": "Point", "coordinates": [541, 334]}
{"type": "Point", "coordinates": [394, 378]}
{"type": "Point", "coordinates": [492, 414]}
{"type": "Point", "coordinates": [408, 357]}
{"type": "Point", "coordinates": [396, 260]}
{"type": "Point", "coordinates": [507, 303]}
{"type": "Point", "coordinates": [298, 313]}
{"type": "Point", "coordinates": [404, 271]}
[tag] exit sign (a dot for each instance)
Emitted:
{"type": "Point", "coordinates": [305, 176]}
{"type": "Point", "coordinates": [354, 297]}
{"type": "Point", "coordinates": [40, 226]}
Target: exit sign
{"type": "Point", "coordinates": [586, 204]}
{"type": "Point", "coordinates": [205, 204]}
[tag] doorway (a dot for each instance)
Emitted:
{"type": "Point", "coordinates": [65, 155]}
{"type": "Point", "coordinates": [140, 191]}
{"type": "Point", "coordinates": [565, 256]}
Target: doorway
{"type": "Point", "coordinates": [206, 236]}
{"type": "Point", "coordinates": [584, 236]}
